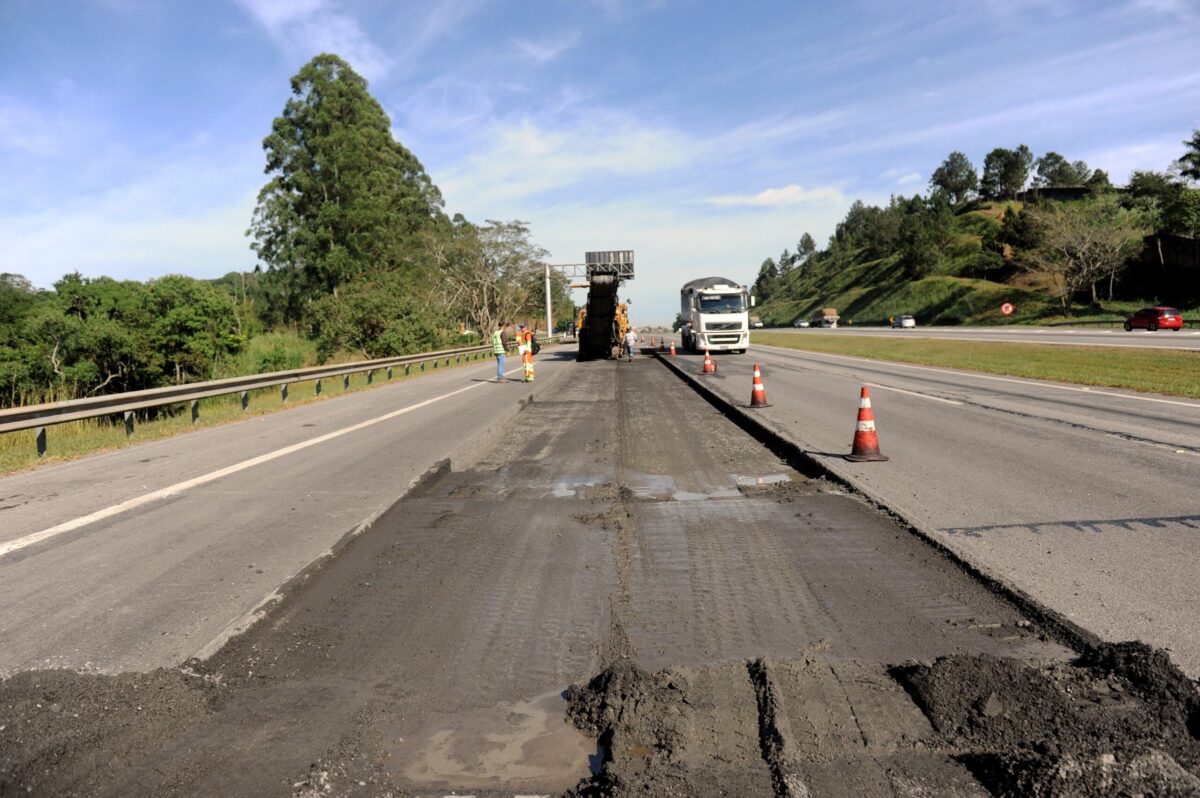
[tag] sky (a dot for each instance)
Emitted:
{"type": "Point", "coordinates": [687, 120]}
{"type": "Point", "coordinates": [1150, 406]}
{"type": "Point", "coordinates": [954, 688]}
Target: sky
{"type": "Point", "coordinates": [705, 136]}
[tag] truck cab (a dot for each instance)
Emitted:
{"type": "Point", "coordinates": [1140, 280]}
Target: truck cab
{"type": "Point", "coordinates": [716, 315]}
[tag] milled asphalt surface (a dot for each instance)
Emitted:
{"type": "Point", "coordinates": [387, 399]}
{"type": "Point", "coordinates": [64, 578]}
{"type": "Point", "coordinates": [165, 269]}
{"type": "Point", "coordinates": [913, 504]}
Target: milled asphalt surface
{"type": "Point", "coordinates": [616, 522]}
{"type": "Point", "coordinates": [1086, 500]}
{"type": "Point", "coordinates": [1188, 338]}
{"type": "Point", "coordinates": [172, 579]}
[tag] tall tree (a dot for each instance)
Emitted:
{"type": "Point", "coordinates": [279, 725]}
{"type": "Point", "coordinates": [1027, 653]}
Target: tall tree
{"type": "Point", "coordinates": [806, 247]}
{"type": "Point", "coordinates": [1054, 170]}
{"type": "Point", "coordinates": [1005, 172]}
{"type": "Point", "coordinates": [345, 199]}
{"type": "Point", "coordinates": [956, 178]}
{"type": "Point", "coordinates": [1189, 162]}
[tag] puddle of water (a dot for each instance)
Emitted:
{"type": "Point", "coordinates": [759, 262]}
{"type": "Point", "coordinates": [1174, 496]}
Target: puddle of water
{"type": "Point", "coordinates": [650, 486]}
{"type": "Point", "coordinates": [525, 744]}
{"type": "Point", "coordinates": [758, 481]}
{"type": "Point", "coordinates": [569, 488]}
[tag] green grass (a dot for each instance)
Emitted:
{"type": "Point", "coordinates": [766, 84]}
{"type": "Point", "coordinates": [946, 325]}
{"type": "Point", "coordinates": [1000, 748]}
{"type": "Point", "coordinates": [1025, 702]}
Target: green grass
{"type": "Point", "coordinates": [18, 450]}
{"type": "Point", "coordinates": [1176, 373]}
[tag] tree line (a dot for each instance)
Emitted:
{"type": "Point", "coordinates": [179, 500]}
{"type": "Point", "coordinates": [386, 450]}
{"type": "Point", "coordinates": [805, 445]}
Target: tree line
{"type": "Point", "coordinates": [1084, 239]}
{"type": "Point", "coordinates": [355, 250]}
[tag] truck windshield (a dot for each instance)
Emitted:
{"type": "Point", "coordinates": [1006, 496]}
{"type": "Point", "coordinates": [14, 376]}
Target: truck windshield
{"type": "Point", "coordinates": [722, 303]}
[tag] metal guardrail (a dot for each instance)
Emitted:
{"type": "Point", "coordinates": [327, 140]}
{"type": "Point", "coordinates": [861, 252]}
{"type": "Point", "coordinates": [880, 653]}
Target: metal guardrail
{"type": "Point", "coordinates": [38, 417]}
{"type": "Point", "coordinates": [1109, 323]}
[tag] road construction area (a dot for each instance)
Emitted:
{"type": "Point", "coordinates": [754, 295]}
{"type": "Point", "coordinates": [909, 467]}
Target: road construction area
{"type": "Point", "coordinates": [614, 590]}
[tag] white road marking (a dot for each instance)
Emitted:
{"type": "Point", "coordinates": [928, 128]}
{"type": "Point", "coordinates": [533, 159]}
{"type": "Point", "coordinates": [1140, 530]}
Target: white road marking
{"type": "Point", "coordinates": [188, 484]}
{"type": "Point", "coordinates": [913, 393]}
{"type": "Point", "coordinates": [977, 375]}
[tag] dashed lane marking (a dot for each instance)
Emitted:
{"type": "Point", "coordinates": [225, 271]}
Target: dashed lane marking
{"type": "Point", "coordinates": [977, 376]}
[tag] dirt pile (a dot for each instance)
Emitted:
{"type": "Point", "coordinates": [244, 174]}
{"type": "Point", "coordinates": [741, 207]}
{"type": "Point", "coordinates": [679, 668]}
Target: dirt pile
{"type": "Point", "coordinates": [1114, 722]}
{"type": "Point", "coordinates": [63, 733]}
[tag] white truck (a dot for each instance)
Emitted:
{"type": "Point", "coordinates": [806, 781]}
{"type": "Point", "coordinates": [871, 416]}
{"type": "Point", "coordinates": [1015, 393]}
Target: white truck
{"type": "Point", "coordinates": [716, 315]}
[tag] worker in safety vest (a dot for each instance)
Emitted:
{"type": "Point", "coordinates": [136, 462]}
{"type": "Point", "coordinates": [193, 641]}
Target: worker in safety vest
{"type": "Point", "coordinates": [500, 349]}
{"type": "Point", "coordinates": [525, 347]}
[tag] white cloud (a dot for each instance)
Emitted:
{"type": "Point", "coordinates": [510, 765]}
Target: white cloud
{"type": "Point", "coordinates": [304, 28]}
{"type": "Point", "coordinates": [182, 216]}
{"type": "Point", "coordinates": [546, 49]}
{"type": "Point", "coordinates": [912, 177]}
{"type": "Point", "coordinates": [787, 195]}
{"type": "Point", "coordinates": [523, 159]}
{"type": "Point", "coordinates": [1183, 10]}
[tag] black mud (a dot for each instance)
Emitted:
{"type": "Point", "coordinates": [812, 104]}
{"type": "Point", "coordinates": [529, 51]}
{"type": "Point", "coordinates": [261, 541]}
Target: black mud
{"type": "Point", "coordinates": [1119, 721]}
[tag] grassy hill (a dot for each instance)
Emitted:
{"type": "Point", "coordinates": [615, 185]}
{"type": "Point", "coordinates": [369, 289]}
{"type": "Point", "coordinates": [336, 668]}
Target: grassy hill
{"type": "Point", "coordinates": [966, 286]}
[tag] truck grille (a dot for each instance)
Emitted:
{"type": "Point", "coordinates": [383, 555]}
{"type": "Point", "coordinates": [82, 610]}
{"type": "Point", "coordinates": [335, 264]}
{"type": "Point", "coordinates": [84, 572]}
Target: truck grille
{"type": "Point", "coordinates": [723, 325]}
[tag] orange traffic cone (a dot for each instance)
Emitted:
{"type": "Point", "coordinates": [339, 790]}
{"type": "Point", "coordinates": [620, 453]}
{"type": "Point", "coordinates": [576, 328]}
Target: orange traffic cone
{"type": "Point", "coordinates": [651, 341]}
{"type": "Point", "coordinates": [709, 366]}
{"type": "Point", "coordinates": [758, 394]}
{"type": "Point", "coordinates": [672, 349]}
{"type": "Point", "coordinates": [866, 442]}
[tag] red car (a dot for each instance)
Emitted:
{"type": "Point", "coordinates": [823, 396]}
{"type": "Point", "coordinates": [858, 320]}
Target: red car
{"type": "Point", "coordinates": [1154, 318]}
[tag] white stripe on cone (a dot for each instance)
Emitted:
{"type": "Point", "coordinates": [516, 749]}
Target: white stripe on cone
{"type": "Point", "coordinates": [865, 426]}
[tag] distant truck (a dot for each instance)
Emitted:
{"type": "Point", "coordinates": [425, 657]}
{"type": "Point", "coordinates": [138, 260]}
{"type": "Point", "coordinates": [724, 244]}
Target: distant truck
{"type": "Point", "coordinates": [716, 315]}
{"type": "Point", "coordinates": [825, 317]}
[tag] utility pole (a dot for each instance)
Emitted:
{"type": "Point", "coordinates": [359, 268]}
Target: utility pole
{"type": "Point", "coordinates": [549, 316]}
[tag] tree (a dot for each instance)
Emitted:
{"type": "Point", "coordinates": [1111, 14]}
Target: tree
{"type": "Point", "coordinates": [1181, 215]}
{"type": "Point", "coordinates": [485, 272]}
{"type": "Point", "coordinates": [956, 178]}
{"type": "Point", "coordinates": [378, 317]}
{"type": "Point", "coordinates": [925, 232]}
{"type": "Point", "coordinates": [1053, 170]}
{"type": "Point", "coordinates": [1099, 183]}
{"type": "Point", "coordinates": [1082, 243]}
{"type": "Point", "coordinates": [767, 280]}
{"type": "Point", "coordinates": [345, 200]}
{"type": "Point", "coordinates": [805, 248]}
{"type": "Point", "coordinates": [1189, 162]}
{"type": "Point", "coordinates": [1005, 172]}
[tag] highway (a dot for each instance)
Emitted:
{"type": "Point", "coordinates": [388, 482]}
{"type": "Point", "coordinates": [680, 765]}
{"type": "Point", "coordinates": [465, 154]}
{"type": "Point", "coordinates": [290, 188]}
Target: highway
{"type": "Point", "coordinates": [447, 587]}
{"type": "Point", "coordinates": [165, 578]}
{"type": "Point", "coordinates": [1187, 338]}
{"type": "Point", "coordinates": [1083, 498]}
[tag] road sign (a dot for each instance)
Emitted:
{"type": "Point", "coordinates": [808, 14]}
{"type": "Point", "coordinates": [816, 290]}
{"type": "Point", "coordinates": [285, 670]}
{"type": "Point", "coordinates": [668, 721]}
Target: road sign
{"type": "Point", "coordinates": [1007, 308]}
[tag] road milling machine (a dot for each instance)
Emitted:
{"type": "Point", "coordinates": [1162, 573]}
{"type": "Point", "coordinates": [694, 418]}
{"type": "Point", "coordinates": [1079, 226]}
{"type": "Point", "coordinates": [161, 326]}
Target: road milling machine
{"type": "Point", "coordinates": [604, 320]}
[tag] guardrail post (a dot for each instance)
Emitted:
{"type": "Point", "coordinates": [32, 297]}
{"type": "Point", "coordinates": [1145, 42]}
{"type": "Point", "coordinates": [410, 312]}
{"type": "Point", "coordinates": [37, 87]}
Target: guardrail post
{"type": "Point", "coordinates": [422, 365]}
{"type": "Point", "coordinates": [39, 435]}
{"type": "Point", "coordinates": [195, 408]}
{"type": "Point", "coordinates": [447, 362]}
{"type": "Point", "coordinates": [407, 369]}
{"type": "Point", "coordinates": [389, 372]}
{"type": "Point", "coordinates": [283, 392]}
{"type": "Point", "coordinates": [370, 376]}
{"type": "Point", "coordinates": [128, 423]}
{"type": "Point", "coordinates": [318, 389]}
{"type": "Point", "coordinates": [245, 400]}
{"type": "Point", "coordinates": [345, 382]}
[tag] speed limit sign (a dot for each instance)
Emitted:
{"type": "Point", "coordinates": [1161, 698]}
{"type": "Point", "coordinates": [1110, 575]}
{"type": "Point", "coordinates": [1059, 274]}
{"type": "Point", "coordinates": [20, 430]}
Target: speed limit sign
{"type": "Point", "coordinates": [1007, 308]}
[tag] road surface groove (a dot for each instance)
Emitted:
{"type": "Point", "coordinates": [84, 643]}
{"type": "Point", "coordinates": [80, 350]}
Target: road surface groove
{"type": "Point", "coordinates": [717, 624]}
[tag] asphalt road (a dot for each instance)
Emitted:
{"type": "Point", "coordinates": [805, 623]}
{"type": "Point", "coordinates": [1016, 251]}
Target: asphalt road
{"type": "Point", "coordinates": [1085, 499]}
{"type": "Point", "coordinates": [1187, 338]}
{"type": "Point", "coordinates": [617, 554]}
{"type": "Point", "coordinates": [167, 578]}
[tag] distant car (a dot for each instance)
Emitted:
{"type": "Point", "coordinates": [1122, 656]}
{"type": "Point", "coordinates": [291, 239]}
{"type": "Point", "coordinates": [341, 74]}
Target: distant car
{"type": "Point", "coordinates": [798, 323]}
{"type": "Point", "coordinates": [1153, 318]}
{"type": "Point", "coordinates": [756, 323]}
{"type": "Point", "coordinates": [900, 322]}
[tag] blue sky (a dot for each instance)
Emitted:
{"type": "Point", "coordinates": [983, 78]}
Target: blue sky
{"type": "Point", "coordinates": [705, 136]}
